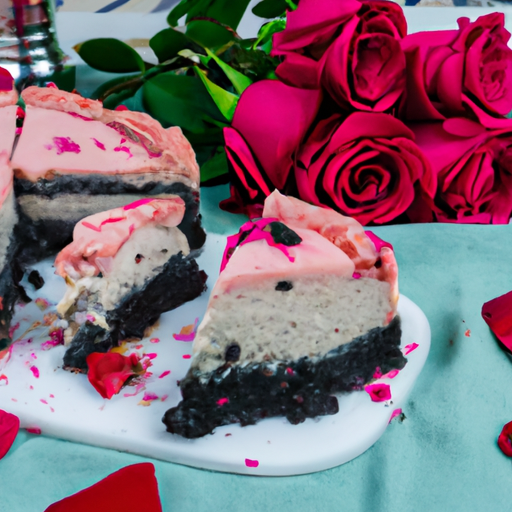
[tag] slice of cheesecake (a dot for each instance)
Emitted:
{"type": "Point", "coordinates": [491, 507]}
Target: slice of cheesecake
{"type": "Point", "coordinates": [74, 158]}
{"type": "Point", "coordinates": [304, 308]}
{"type": "Point", "coordinates": [124, 268]}
{"type": "Point", "coordinates": [8, 216]}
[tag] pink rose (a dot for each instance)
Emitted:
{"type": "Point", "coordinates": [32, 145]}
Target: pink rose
{"type": "Point", "coordinates": [473, 167]}
{"type": "Point", "coordinates": [355, 54]}
{"type": "Point", "coordinates": [453, 71]}
{"type": "Point", "coordinates": [270, 122]}
{"type": "Point", "coordinates": [367, 167]}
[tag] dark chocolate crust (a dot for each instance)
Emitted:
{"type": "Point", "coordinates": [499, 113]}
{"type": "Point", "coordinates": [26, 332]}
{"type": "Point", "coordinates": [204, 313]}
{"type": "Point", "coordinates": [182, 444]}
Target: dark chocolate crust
{"type": "Point", "coordinates": [296, 389]}
{"type": "Point", "coordinates": [180, 281]}
{"type": "Point", "coordinates": [40, 239]}
{"type": "Point", "coordinates": [8, 297]}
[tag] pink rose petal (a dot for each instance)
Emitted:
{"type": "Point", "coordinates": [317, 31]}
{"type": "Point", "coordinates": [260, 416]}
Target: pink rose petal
{"type": "Point", "coordinates": [35, 371]}
{"type": "Point", "coordinates": [409, 348]}
{"type": "Point", "coordinates": [164, 374]}
{"type": "Point", "coordinates": [378, 392]}
{"type": "Point", "coordinates": [394, 414]}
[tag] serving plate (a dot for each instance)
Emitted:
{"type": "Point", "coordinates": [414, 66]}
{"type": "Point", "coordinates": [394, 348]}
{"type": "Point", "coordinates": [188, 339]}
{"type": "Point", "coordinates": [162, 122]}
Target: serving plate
{"type": "Point", "coordinates": [65, 405]}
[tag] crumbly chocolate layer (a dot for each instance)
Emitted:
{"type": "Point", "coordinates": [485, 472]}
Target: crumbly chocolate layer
{"type": "Point", "coordinates": [297, 389]}
{"type": "Point", "coordinates": [180, 281]}
{"type": "Point", "coordinates": [8, 297]}
{"type": "Point", "coordinates": [42, 235]}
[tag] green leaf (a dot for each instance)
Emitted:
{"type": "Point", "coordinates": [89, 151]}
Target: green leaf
{"type": "Point", "coordinates": [179, 100]}
{"type": "Point", "coordinates": [209, 34]}
{"type": "Point", "coordinates": [215, 166]}
{"type": "Point", "coordinates": [227, 12]}
{"type": "Point", "coordinates": [225, 101]}
{"type": "Point", "coordinates": [264, 39]}
{"type": "Point", "coordinates": [106, 86]}
{"type": "Point", "coordinates": [239, 80]}
{"type": "Point", "coordinates": [108, 54]}
{"type": "Point", "coordinates": [181, 9]}
{"type": "Point", "coordinates": [168, 42]}
{"type": "Point", "coordinates": [270, 8]}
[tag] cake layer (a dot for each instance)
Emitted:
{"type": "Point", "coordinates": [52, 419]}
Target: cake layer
{"type": "Point", "coordinates": [286, 318]}
{"type": "Point", "coordinates": [298, 389]}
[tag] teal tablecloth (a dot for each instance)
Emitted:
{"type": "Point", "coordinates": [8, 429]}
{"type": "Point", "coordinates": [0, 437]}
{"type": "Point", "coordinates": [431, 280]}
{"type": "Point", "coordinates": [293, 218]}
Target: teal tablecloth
{"type": "Point", "coordinates": [443, 457]}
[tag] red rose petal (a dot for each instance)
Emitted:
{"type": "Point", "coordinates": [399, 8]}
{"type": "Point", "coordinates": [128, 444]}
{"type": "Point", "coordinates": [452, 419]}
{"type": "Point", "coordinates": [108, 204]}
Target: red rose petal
{"type": "Point", "coordinates": [505, 439]}
{"type": "Point", "coordinates": [9, 426]}
{"type": "Point", "coordinates": [131, 488]}
{"type": "Point", "coordinates": [497, 315]}
{"type": "Point", "coordinates": [378, 392]}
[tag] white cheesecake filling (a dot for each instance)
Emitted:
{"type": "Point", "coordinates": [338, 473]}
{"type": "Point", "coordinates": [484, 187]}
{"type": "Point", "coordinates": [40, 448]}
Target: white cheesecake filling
{"type": "Point", "coordinates": [320, 313]}
{"type": "Point", "coordinates": [140, 259]}
{"type": "Point", "coordinates": [75, 207]}
{"type": "Point", "coordinates": [8, 220]}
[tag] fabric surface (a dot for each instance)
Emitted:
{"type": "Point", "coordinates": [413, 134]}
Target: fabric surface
{"type": "Point", "coordinates": [442, 457]}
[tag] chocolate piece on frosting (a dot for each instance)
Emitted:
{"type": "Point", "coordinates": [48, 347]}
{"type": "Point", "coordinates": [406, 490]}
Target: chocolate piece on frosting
{"type": "Point", "coordinates": [291, 321]}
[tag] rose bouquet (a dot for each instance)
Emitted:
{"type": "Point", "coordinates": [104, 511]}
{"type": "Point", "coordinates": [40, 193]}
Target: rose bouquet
{"type": "Point", "coordinates": [333, 102]}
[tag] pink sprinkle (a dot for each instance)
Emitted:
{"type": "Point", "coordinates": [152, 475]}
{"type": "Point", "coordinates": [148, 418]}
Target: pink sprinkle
{"type": "Point", "coordinates": [33, 430]}
{"type": "Point", "coordinates": [98, 143]}
{"type": "Point", "coordinates": [409, 348]}
{"type": "Point", "coordinates": [138, 389]}
{"type": "Point", "coordinates": [187, 356]}
{"type": "Point", "coordinates": [14, 399]}
{"type": "Point", "coordinates": [378, 373]}
{"type": "Point", "coordinates": [2, 379]}
{"type": "Point", "coordinates": [90, 318]}
{"type": "Point", "coordinates": [43, 401]}
{"type": "Point", "coordinates": [49, 344]}
{"type": "Point", "coordinates": [154, 340]}
{"type": "Point", "coordinates": [18, 130]}
{"type": "Point", "coordinates": [112, 220]}
{"type": "Point", "coordinates": [121, 107]}
{"type": "Point", "coordinates": [356, 275]}
{"type": "Point", "coordinates": [221, 401]}
{"type": "Point", "coordinates": [138, 203]}
{"type": "Point", "coordinates": [31, 387]}
{"type": "Point", "coordinates": [65, 145]}
{"type": "Point", "coordinates": [251, 463]}
{"type": "Point", "coordinates": [125, 149]}
{"type": "Point", "coordinates": [13, 329]}
{"type": "Point", "coordinates": [152, 355]}
{"type": "Point", "coordinates": [51, 85]}
{"type": "Point", "coordinates": [163, 398]}
{"type": "Point", "coordinates": [90, 226]}
{"type": "Point", "coordinates": [35, 371]}
{"type": "Point", "coordinates": [394, 414]}
{"type": "Point", "coordinates": [164, 374]}
{"type": "Point", "coordinates": [378, 392]}
{"type": "Point", "coordinates": [52, 409]}
{"type": "Point", "coordinates": [139, 346]}
{"type": "Point", "coordinates": [123, 140]}
{"type": "Point", "coordinates": [289, 371]}
{"type": "Point", "coordinates": [52, 396]}
{"type": "Point", "coordinates": [33, 356]}
{"type": "Point", "coordinates": [391, 375]}
{"type": "Point", "coordinates": [149, 396]}
{"type": "Point", "coordinates": [467, 333]}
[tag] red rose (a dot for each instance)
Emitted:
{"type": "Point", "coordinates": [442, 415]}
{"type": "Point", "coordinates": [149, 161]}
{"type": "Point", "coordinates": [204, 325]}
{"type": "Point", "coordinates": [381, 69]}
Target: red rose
{"type": "Point", "coordinates": [505, 440]}
{"type": "Point", "coordinates": [109, 372]}
{"type": "Point", "coordinates": [9, 426]}
{"type": "Point", "coordinates": [367, 167]}
{"type": "Point", "coordinates": [473, 167]}
{"type": "Point", "coordinates": [452, 71]}
{"type": "Point", "coordinates": [355, 55]}
{"type": "Point", "coordinates": [270, 121]}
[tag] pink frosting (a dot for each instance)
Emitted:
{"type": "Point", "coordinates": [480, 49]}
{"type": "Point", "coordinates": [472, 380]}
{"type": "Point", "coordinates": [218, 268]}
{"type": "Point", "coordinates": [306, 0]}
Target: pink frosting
{"type": "Point", "coordinates": [331, 244]}
{"type": "Point", "coordinates": [98, 238]}
{"type": "Point", "coordinates": [109, 141]}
